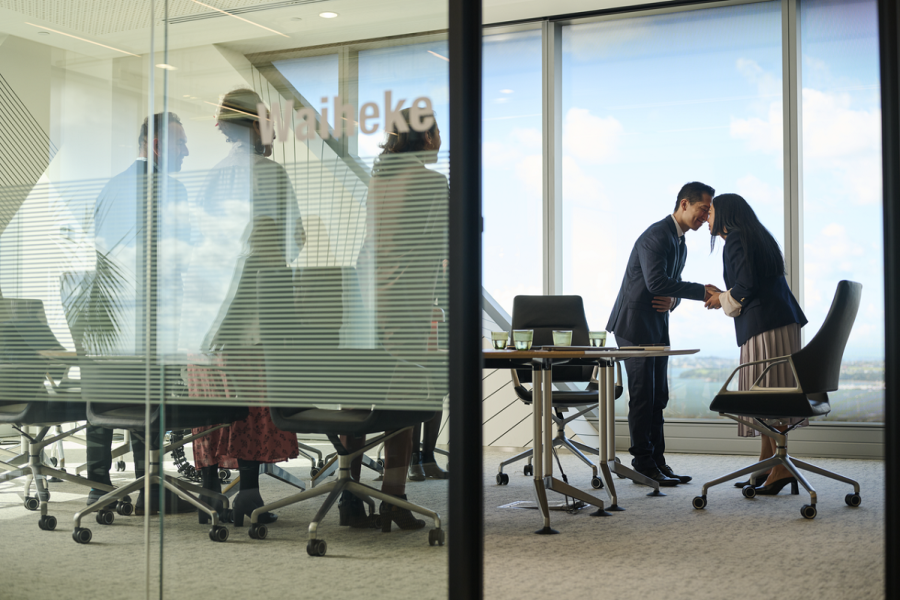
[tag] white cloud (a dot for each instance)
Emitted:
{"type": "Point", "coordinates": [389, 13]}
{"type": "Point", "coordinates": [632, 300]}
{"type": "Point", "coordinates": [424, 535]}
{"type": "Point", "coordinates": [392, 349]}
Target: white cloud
{"type": "Point", "coordinates": [590, 138]}
{"type": "Point", "coordinates": [838, 139]}
{"type": "Point", "coordinates": [757, 191]}
{"type": "Point", "coordinates": [832, 129]}
{"type": "Point", "coordinates": [763, 135]}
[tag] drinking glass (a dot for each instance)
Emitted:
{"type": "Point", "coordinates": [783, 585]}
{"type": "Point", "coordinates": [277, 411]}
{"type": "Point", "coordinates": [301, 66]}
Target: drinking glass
{"type": "Point", "coordinates": [498, 339]}
{"type": "Point", "coordinates": [597, 338]}
{"type": "Point", "coordinates": [562, 337]}
{"type": "Point", "coordinates": [522, 338]}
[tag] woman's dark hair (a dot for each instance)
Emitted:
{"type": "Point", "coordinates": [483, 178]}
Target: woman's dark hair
{"type": "Point", "coordinates": [733, 216]}
{"type": "Point", "coordinates": [407, 141]}
{"type": "Point", "coordinates": [237, 113]}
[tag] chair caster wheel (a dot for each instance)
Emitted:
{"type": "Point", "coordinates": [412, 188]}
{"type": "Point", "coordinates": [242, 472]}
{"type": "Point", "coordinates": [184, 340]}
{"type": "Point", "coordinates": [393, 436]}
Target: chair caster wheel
{"type": "Point", "coordinates": [380, 462]}
{"type": "Point", "coordinates": [120, 466]}
{"type": "Point", "coordinates": [748, 491]}
{"type": "Point", "coordinates": [218, 533]}
{"type": "Point", "coordinates": [321, 464]}
{"type": "Point", "coordinates": [596, 483]}
{"type": "Point", "coordinates": [258, 532]}
{"type": "Point", "coordinates": [106, 517]}
{"type": "Point", "coordinates": [32, 503]}
{"type": "Point", "coordinates": [808, 511]}
{"type": "Point", "coordinates": [853, 500]}
{"type": "Point", "coordinates": [126, 509]}
{"type": "Point", "coordinates": [47, 523]}
{"type": "Point", "coordinates": [313, 472]}
{"type": "Point", "coordinates": [502, 479]}
{"type": "Point", "coordinates": [316, 547]}
{"type": "Point", "coordinates": [699, 502]}
{"type": "Point", "coordinates": [224, 474]}
{"type": "Point", "coordinates": [82, 535]}
{"type": "Point", "coordinates": [436, 537]}
{"type": "Point", "coordinates": [54, 461]}
{"type": "Point", "coordinates": [528, 470]}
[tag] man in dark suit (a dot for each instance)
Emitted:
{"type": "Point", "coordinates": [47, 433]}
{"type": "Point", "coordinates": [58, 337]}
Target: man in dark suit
{"type": "Point", "coordinates": [651, 289]}
{"type": "Point", "coordinates": [120, 223]}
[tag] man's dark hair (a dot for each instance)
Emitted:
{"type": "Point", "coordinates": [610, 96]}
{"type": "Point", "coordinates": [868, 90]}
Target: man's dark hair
{"type": "Point", "coordinates": [160, 121]}
{"type": "Point", "coordinates": [693, 192]}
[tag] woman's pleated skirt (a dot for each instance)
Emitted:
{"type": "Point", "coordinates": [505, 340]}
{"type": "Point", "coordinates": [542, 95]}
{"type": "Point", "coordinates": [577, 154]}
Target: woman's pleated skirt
{"type": "Point", "coordinates": [769, 344]}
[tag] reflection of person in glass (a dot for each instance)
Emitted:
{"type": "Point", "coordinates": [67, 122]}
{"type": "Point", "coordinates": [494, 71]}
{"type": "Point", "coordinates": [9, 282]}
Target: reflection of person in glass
{"type": "Point", "coordinates": [402, 258]}
{"type": "Point", "coordinates": [251, 186]}
{"type": "Point", "coordinates": [767, 317]}
{"type": "Point", "coordinates": [104, 308]}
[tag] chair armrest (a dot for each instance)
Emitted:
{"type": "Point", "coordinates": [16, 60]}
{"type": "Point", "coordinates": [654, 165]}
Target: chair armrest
{"type": "Point", "coordinates": [774, 361]}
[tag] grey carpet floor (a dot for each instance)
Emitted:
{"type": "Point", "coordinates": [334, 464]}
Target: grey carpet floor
{"type": "Point", "coordinates": [659, 547]}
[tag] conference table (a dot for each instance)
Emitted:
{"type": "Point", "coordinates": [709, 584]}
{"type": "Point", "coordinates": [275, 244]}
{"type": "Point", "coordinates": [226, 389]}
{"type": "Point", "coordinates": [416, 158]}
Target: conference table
{"type": "Point", "coordinates": [541, 361]}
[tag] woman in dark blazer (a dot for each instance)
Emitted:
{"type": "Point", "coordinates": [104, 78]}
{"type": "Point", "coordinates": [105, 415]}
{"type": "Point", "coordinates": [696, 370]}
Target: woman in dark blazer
{"type": "Point", "coordinates": [767, 317]}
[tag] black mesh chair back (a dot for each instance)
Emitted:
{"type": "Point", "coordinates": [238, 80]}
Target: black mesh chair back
{"type": "Point", "coordinates": [818, 363]}
{"type": "Point", "coordinates": [543, 314]}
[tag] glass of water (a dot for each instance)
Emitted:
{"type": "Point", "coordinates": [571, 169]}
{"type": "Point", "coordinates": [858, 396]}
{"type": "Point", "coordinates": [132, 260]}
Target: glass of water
{"type": "Point", "coordinates": [498, 339]}
{"type": "Point", "coordinates": [597, 338]}
{"type": "Point", "coordinates": [522, 338]}
{"type": "Point", "coordinates": [562, 337]}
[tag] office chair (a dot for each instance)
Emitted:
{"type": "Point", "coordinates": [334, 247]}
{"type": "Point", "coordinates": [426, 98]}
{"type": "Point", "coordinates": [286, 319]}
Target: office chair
{"type": "Point", "coordinates": [114, 389]}
{"type": "Point", "coordinates": [816, 369]}
{"type": "Point", "coordinates": [34, 392]}
{"type": "Point", "coordinates": [305, 362]}
{"type": "Point", "coordinates": [543, 314]}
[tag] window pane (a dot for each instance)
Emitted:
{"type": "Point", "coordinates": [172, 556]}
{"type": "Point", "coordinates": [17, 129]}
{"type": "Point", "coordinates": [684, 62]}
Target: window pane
{"type": "Point", "coordinates": [512, 165]}
{"type": "Point", "coordinates": [842, 210]}
{"type": "Point", "coordinates": [649, 104]}
{"type": "Point", "coordinates": [314, 78]}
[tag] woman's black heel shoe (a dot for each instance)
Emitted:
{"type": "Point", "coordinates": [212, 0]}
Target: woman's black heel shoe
{"type": "Point", "coordinates": [760, 479]}
{"type": "Point", "coordinates": [245, 503]}
{"type": "Point", "coordinates": [775, 487]}
{"type": "Point", "coordinates": [353, 513]}
{"type": "Point", "coordinates": [402, 517]}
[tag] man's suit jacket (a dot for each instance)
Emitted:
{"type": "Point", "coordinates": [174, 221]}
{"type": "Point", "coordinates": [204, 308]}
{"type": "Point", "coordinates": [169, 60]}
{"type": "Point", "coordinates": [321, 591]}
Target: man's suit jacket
{"type": "Point", "coordinates": [766, 302]}
{"type": "Point", "coordinates": [654, 269]}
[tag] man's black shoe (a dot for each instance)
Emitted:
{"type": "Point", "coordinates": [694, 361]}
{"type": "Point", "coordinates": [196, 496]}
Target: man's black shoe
{"type": "Point", "coordinates": [174, 503]}
{"type": "Point", "coordinates": [94, 495]}
{"type": "Point", "coordinates": [667, 471]}
{"type": "Point", "coordinates": [656, 475]}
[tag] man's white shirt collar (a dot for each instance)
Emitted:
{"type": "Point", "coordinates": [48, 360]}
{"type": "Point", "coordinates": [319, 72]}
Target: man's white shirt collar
{"type": "Point", "coordinates": [677, 227]}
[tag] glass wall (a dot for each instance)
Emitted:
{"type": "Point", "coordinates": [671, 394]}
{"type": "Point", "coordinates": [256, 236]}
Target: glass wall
{"type": "Point", "coordinates": [227, 222]}
{"type": "Point", "coordinates": [649, 104]}
{"type": "Point", "coordinates": [512, 175]}
{"type": "Point", "coordinates": [842, 214]}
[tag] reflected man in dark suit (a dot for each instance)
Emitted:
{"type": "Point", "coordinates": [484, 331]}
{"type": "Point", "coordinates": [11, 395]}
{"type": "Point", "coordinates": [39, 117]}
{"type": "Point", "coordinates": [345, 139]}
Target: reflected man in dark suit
{"type": "Point", "coordinates": [120, 239]}
{"type": "Point", "coordinates": [650, 290]}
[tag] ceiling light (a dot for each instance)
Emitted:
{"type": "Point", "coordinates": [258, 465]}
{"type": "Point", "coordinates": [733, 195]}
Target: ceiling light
{"type": "Point", "coordinates": [167, 67]}
{"type": "Point", "coordinates": [43, 33]}
{"type": "Point", "coordinates": [506, 91]}
{"type": "Point", "coordinates": [187, 95]}
{"type": "Point", "coordinates": [328, 15]}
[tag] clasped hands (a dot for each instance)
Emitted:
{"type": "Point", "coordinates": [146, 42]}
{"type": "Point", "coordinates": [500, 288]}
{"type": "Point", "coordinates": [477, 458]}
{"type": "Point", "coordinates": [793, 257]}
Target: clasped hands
{"type": "Point", "coordinates": [711, 299]}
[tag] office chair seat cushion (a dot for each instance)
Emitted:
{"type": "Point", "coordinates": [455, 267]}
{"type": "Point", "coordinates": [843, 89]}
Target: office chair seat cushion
{"type": "Point", "coordinates": [771, 405]}
{"type": "Point", "coordinates": [50, 412]}
{"type": "Point", "coordinates": [562, 397]}
{"type": "Point", "coordinates": [346, 422]}
{"type": "Point", "coordinates": [179, 416]}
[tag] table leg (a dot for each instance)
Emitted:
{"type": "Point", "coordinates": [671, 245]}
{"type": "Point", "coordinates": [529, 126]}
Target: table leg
{"type": "Point", "coordinates": [614, 465]}
{"type": "Point", "coordinates": [540, 492]}
{"type": "Point", "coordinates": [606, 391]}
{"type": "Point", "coordinates": [548, 423]}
